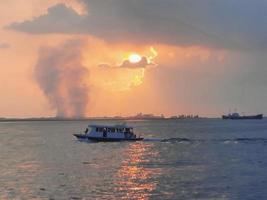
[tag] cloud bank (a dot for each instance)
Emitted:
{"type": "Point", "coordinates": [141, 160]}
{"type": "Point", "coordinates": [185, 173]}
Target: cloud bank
{"type": "Point", "coordinates": [59, 19]}
{"type": "Point", "coordinates": [240, 24]}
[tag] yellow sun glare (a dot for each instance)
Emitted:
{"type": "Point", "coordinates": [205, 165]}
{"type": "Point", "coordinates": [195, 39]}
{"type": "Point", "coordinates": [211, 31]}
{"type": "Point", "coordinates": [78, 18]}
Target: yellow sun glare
{"type": "Point", "coordinates": [135, 58]}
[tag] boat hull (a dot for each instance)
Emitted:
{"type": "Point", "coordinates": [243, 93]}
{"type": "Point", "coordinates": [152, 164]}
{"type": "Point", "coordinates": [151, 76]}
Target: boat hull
{"type": "Point", "coordinates": [243, 117]}
{"type": "Point", "coordinates": [98, 139]}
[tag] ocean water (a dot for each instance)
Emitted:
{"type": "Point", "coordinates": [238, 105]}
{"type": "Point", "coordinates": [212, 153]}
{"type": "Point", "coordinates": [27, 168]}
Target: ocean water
{"type": "Point", "coordinates": [179, 159]}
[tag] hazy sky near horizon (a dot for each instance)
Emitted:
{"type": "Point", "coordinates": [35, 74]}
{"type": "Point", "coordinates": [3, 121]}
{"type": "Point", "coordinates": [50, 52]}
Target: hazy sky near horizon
{"type": "Point", "coordinates": [121, 57]}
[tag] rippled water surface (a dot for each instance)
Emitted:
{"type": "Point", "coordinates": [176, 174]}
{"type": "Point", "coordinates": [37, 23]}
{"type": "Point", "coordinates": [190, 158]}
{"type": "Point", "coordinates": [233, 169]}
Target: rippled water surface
{"type": "Point", "coordinates": [180, 159]}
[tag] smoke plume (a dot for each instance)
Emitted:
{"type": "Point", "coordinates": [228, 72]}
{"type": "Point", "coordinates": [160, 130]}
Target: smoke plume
{"type": "Point", "coordinates": [60, 75]}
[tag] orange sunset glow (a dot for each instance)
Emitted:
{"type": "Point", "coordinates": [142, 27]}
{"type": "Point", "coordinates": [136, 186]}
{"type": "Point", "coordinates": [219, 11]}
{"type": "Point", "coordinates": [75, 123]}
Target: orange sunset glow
{"type": "Point", "coordinates": [133, 99]}
{"type": "Point", "coordinates": [72, 68]}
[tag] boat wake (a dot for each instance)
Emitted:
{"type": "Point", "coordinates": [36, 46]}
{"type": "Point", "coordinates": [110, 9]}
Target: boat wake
{"type": "Point", "coordinates": [179, 140]}
{"type": "Point", "coordinates": [193, 141]}
{"type": "Point", "coordinates": [152, 140]}
{"type": "Point", "coordinates": [225, 141]}
{"type": "Point", "coordinates": [171, 140]}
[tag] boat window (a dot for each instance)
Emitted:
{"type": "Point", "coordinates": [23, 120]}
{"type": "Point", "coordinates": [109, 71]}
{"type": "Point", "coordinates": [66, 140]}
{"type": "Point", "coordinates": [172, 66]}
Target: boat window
{"type": "Point", "coordinates": [119, 130]}
{"type": "Point", "coordinates": [112, 130]}
{"type": "Point", "coordinates": [96, 129]}
{"type": "Point", "coordinates": [127, 130]}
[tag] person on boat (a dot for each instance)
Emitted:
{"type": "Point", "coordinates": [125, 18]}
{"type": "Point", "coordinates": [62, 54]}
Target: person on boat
{"type": "Point", "coordinates": [86, 130]}
{"type": "Point", "coordinates": [105, 132]}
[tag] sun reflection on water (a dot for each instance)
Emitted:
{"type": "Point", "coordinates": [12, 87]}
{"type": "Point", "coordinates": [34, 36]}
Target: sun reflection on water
{"type": "Point", "coordinates": [135, 180]}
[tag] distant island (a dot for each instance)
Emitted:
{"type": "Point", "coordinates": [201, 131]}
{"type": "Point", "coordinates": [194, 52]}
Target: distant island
{"type": "Point", "coordinates": [139, 116]}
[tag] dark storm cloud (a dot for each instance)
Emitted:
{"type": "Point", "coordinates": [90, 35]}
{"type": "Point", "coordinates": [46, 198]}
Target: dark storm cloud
{"type": "Point", "coordinates": [213, 23]}
{"type": "Point", "coordinates": [59, 19]}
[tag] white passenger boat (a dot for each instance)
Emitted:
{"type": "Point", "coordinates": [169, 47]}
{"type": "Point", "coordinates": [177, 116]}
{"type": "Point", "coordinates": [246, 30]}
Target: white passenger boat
{"type": "Point", "coordinates": [109, 133]}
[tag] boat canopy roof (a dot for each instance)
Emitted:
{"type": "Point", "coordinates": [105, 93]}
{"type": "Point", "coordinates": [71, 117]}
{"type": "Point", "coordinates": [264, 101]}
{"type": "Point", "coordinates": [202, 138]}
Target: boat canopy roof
{"type": "Point", "coordinates": [109, 126]}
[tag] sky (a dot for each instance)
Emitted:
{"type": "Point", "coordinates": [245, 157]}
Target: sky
{"type": "Point", "coordinates": [81, 58]}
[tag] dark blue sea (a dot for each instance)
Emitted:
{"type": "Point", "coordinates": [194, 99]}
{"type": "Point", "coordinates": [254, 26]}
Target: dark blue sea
{"type": "Point", "coordinates": [179, 159]}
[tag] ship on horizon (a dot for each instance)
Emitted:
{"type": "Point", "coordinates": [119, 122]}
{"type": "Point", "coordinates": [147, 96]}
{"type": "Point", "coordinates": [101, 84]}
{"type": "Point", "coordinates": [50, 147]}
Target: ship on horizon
{"type": "Point", "coordinates": [237, 116]}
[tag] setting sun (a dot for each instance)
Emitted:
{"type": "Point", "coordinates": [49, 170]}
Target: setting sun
{"type": "Point", "coordinates": [135, 58]}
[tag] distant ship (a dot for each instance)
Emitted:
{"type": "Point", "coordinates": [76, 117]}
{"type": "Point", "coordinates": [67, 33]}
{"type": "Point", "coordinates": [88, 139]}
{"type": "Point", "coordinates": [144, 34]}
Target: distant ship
{"type": "Point", "coordinates": [237, 116]}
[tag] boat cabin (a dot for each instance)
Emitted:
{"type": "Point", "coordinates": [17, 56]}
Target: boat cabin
{"type": "Point", "coordinates": [114, 132]}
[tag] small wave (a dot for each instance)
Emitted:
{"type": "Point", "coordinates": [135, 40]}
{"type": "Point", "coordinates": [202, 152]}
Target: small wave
{"type": "Point", "coordinates": [246, 140]}
{"type": "Point", "coordinates": [251, 139]}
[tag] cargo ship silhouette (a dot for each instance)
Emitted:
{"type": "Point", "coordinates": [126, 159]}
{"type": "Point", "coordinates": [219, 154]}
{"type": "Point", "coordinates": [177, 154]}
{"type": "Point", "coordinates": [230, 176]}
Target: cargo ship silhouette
{"type": "Point", "coordinates": [237, 116]}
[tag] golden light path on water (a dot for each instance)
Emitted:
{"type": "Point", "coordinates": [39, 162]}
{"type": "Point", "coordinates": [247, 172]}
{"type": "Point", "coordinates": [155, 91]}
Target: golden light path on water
{"type": "Point", "coordinates": [134, 180]}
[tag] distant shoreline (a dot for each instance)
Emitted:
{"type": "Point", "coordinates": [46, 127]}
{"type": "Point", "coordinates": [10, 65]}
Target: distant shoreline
{"type": "Point", "coordinates": [92, 118]}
